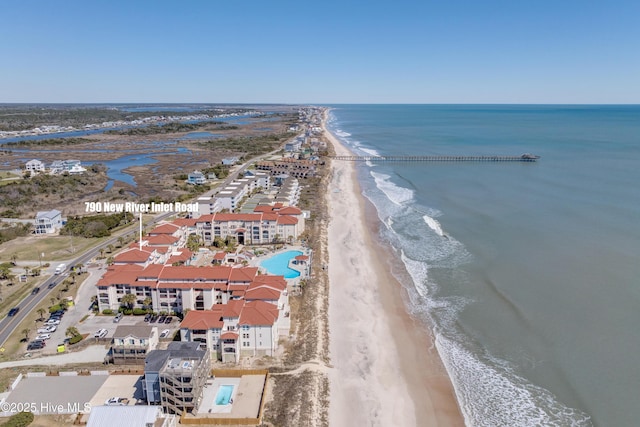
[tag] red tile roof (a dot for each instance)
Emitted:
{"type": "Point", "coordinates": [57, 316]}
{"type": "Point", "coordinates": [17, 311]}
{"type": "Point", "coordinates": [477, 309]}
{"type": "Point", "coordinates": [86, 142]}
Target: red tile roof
{"type": "Point", "coordinates": [164, 229]}
{"type": "Point", "coordinates": [162, 240]}
{"type": "Point", "coordinates": [262, 293]}
{"type": "Point", "coordinates": [302, 257]}
{"type": "Point", "coordinates": [195, 273]}
{"type": "Point", "coordinates": [207, 319]}
{"type": "Point", "coordinates": [219, 256]}
{"type": "Point", "coordinates": [185, 222]}
{"type": "Point", "coordinates": [285, 219]}
{"type": "Point", "coordinates": [233, 308]}
{"type": "Point", "coordinates": [258, 313]}
{"type": "Point", "coordinates": [229, 335]}
{"type": "Point", "coordinates": [243, 274]}
{"type": "Point", "coordinates": [236, 217]}
{"type": "Point", "coordinates": [290, 210]}
{"type": "Point", "coordinates": [133, 256]}
{"type": "Point", "coordinates": [276, 282]}
{"type": "Point", "coordinates": [263, 208]}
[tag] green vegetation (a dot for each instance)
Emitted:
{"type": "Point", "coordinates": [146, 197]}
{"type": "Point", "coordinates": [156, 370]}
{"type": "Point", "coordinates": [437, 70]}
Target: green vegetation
{"type": "Point", "coordinates": [21, 419]}
{"type": "Point", "coordinates": [250, 146]}
{"type": "Point", "coordinates": [50, 141]}
{"type": "Point", "coordinates": [162, 129]}
{"type": "Point", "coordinates": [107, 312]}
{"type": "Point", "coordinates": [10, 232]}
{"type": "Point", "coordinates": [74, 335]}
{"type": "Point", "coordinates": [26, 117]}
{"type": "Point", "coordinates": [95, 225]}
{"type": "Point", "coordinates": [45, 191]}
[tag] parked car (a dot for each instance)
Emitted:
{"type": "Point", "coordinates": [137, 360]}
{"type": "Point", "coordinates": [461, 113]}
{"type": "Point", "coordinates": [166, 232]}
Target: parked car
{"type": "Point", "coordinates": [101, 333]}
{"type": "Point", "coordinates": [52, 322]}
{"type": "Point", "coordinates": [117, 318]}
{"type": "Point", "coordinates": [116, 401]}
{"type": "Point", "coordinates": [165, 333]}
{"type": "Point", "coordinates": [47, 329]}
{"type": "Point", "coordinates": [35, 345]}
{"type": "Point", "coordinates": [43, 337]}
{"type": "Point", "coordinates": [168, 319]}
{"type": "Point", "coordinates": [154, 317]}
{"type": "Point", "coordinates": [161, 319]}
{"type": "Point", "coordinates": [13, 311]}
{"type": "Point", "coordinates": [147, 317]}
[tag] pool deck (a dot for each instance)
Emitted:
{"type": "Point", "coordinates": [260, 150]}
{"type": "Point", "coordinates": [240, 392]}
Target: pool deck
{"type": "Point", "coordinates": [302, 269]}
{"type": "Point", "coordinates": [247, 392]}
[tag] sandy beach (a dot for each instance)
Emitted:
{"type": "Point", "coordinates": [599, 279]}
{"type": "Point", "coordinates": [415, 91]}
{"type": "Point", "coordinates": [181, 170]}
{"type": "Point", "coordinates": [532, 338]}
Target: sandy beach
{"type": "Point", "coordinates": [386, 371]}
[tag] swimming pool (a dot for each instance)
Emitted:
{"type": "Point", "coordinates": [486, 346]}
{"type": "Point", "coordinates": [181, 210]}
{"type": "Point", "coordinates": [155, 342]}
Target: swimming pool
{"type": "Point", "coordinates": [279, 264]}
{"type": "Point", "coordinates": [224, 394]}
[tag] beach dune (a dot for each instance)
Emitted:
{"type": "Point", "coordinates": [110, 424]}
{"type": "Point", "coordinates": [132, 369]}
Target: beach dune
{"type": "Point", "coordinates": [386, 371]}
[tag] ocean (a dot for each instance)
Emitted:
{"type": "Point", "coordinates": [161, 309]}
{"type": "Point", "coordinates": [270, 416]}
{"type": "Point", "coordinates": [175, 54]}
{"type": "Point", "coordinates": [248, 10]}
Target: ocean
{"type": "Point", "coordinates": [528, 273]}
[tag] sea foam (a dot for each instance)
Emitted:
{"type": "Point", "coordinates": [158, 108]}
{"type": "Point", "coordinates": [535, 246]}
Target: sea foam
{"type": "Point", "coordinates": [398, 195]}
{"type": "Point", "coordinates": [433, 224]}
{"type": "Point", "coordinates": [491, 395]}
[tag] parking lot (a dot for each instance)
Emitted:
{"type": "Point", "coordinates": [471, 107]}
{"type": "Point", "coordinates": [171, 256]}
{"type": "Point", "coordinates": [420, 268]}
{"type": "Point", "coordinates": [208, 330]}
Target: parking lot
{"type": "Point", "coordinates": [74, 393]}
{"type": "Point", "coordinates": [93, 323]}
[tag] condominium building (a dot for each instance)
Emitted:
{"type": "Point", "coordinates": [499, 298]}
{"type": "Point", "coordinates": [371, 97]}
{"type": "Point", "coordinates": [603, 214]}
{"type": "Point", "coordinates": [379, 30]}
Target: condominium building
{"type": "Point", "coordinates": [175, 377]}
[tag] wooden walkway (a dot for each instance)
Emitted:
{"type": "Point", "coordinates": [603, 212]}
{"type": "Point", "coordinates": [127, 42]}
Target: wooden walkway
{"type": "Point", "coordinates": [522, 158]}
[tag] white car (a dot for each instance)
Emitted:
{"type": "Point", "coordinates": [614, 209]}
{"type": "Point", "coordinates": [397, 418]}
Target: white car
{"type": "Point", "coordinates": [101, 333]}
{"type": "Point", "coordinates": [52, 322]}
{"type": "Point", "coordinates": [164, 333]}
{"type": "Point", "coordinates": [43, 337]}
{"type": "Point", "coordinates": [47, 329]}
{"type": "Point", "coordinates": [116, 401]}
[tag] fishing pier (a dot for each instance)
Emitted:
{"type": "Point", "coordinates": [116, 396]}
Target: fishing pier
{"type": "Point", "coordinates": [523, 158]}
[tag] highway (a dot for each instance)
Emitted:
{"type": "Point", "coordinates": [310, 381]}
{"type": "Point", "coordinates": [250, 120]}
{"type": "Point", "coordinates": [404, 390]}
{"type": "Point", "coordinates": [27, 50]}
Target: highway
{"type": "Point", "coordinates": [9, 324]}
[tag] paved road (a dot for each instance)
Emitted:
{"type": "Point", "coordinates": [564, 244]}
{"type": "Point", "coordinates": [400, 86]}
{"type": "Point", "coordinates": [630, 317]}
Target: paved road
{"type": "Point", "coordinates": [9, 324]}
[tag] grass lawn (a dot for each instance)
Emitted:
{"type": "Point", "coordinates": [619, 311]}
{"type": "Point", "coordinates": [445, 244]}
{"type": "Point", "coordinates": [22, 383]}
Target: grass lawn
{"type": "Point", "coordinates": [7, 178]}
{"type": "Point", "coordinates": [59, 248]}
{"type": "Point", "coordinates": [55, 248]}
{"type": "Point", "coordinates": [7, 174]}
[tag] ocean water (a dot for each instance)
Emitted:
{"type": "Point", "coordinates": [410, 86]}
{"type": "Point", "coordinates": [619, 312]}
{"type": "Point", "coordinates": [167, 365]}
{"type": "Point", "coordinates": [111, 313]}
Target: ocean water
{"type": "Point", "coordinates": [528, 273]}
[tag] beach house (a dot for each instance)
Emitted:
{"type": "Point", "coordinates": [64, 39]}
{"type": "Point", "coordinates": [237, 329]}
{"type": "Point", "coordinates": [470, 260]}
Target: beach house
{"type": "Point", "coordinates": [48, 222]}
{"type": "Point", "coordinates": [35, 166]}
{"type": "Point", "coordinates": [131, 344]}
{"type": "Point", "coordinates": [196, 178]}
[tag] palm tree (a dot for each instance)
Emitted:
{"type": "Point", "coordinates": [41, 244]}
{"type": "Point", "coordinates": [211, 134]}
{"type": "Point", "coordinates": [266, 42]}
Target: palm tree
{"type": "Point", "coordinates": [26, 332]}
{"type": "Point", "coordinates": [71, 332]}
{"type": "Point", "coordinates": [26, 270]}
{"type": "Point", "coordinates": [147, 303]}
{"type": "Point", "coordinates": [128, 300]}
{"type": "Point", "coordinates": [14, 258]}
{"type": "Point", "coordinates": [53, 301]}
{"type": "Point", "coordinates": [101, 253]}
{"type": "Point", "coordinates": [41, 312]}
{"type": "Point", "coordinates": [110, 248]}
{"type": "Point", "coordinates": [121, 241]}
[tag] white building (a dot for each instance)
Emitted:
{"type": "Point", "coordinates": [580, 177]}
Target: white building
{"type": "Point", "coordinates": [35, 166]}
{"type": "Point", "coordinates": [48, 222]}
{"type": "Point", "coordinates": [196, 178]}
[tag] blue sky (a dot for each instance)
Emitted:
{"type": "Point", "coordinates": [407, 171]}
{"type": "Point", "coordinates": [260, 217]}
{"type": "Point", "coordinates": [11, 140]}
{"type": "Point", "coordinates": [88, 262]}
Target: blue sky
{"type": "Point", "coordinates": [320, 52]}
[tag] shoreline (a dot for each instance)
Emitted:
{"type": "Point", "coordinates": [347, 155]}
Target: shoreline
{"type": "Point", "coordinates": [386, 368]}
